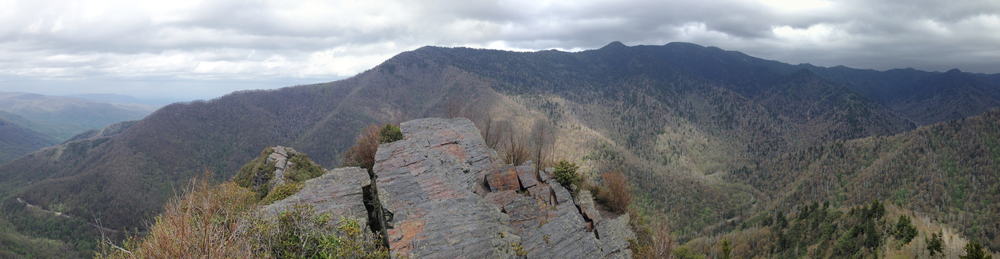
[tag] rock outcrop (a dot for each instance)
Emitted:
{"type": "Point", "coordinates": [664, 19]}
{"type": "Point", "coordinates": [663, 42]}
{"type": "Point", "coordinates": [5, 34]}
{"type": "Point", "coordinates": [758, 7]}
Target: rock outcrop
{"type": "Point", "coordinates": [337, 192]}
{"type": "Point", "coordinates": [450, 199]}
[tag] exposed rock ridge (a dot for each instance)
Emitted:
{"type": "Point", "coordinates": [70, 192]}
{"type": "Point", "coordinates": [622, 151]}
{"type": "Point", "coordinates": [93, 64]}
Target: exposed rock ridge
{"type": "Point", "coordinates": [429, 181]}
{"type": "Point", "coordinates": [451, 200]}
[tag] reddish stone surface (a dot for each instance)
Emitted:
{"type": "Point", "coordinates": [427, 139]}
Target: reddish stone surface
{"type": "Point", "coordinates": [503, 180]}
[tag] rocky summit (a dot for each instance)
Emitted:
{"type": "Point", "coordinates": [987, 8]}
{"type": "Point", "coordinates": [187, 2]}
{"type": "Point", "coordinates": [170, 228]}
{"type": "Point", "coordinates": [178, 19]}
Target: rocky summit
{"type": "Point", "coordinates": [450, 198]}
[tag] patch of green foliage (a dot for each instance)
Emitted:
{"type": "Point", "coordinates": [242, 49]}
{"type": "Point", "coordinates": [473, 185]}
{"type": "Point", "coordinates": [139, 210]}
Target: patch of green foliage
{"type": "Point", "coordinates": [935, 245]}
{"type": "Point", "coordinates": [565, 173]}
{"type": "Point", "coordinates": [302, 168]}
{"type": "Point", "coordinates": [256, 174]}
{"type": "Point", "coordinates": [974, 250]}
{"type": "Point", "coordinates": [300, 233]}
{"type": "Point", "coordinates": [904, 230]}
{"type": "Point", "coordinates": [390, 133]}
{"type": "Point", "coordinates": [281, 192]}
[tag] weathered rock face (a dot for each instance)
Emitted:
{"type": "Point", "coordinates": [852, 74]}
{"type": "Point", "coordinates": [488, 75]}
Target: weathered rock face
{"type": "Point", "coordinates": [450, 200]}
{"type": "Point", "coordinates": [429, 181]}
{"type": "Point", "coordinates": [337, 192]}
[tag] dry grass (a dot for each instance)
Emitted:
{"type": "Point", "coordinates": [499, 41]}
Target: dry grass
{"type": "Point", "coordinates": [515, 148]}
{"type": "Point", "coordinates": [222, 222]}
{"type": "Point", "coordinates": [201, 224]}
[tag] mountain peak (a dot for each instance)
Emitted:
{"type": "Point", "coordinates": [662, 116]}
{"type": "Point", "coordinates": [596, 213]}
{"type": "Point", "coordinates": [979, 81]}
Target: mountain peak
{"type": "Point", "coordinates": [615, 45]}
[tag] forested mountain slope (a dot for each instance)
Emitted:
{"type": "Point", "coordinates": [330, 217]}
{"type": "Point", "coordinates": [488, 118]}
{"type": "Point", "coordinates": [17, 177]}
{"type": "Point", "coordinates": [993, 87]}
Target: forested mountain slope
{"type": "Point", "coordinates": [675, 118]}
{"type": "Point", "coordinates": [949, 171]}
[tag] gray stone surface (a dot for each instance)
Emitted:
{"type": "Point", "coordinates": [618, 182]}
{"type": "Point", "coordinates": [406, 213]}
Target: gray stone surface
{"type": "Point", "coordinates": [429, 181]}
{"type": "Point", "coordinates": [585, 201]}
{"type": "Point", "coordinates": [614, 235]}
{"type": "Point", "coordinates": [546, 175]}
{"type": "Point", "coordinates": [526, 174]}
{"type": "Point", "coordinates": [564, 235]}
{"type": "Point", "coordinates": [562, 195]}
{"type": "Point", "coordinates": [450, 200]}
{"type": "Point", "coordinates": [338, 192]}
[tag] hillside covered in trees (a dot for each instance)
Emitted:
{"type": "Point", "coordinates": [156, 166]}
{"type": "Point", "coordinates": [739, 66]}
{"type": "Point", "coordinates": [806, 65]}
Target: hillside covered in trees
{"type": "Point", "coordinates": [706, 136]}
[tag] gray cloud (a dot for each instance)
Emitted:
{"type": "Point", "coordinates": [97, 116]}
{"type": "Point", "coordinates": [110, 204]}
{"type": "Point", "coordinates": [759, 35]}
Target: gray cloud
{"type": "Point", "coordinates": [229, 41]}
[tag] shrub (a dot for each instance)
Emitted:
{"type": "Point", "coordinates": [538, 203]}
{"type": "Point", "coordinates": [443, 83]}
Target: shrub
{"type": "Point", "coordinates": [565, 173]}
{"type": "Point", "coordinates": [615, 192]}
{"type": "Point", "coordinates": [390, 133]}
{"type": "Point", "coordinates": [362, 154]}
{"type": "Point", "coordinates": [515, 150]}
{"type": "Point", "coordinates": [904, 230]}
{"type": "Point", "coordinates": [934, 244]}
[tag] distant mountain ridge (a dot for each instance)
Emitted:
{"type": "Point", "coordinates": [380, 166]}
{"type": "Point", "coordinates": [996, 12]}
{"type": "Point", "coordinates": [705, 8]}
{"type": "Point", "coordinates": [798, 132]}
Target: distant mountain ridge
{"type": "Point", "coordinates": [63, 117]}
{"type": "Point", "coordinates": [17, 141]}
{"type": "Point", "coordinates": [675, 117]}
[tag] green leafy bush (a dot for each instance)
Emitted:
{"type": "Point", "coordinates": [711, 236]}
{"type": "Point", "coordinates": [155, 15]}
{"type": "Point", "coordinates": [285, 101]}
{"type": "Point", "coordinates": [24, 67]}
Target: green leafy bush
{"type": "Point", "coordinates": [934, 244]}
{"type": "Point", "coordinates": [565, 173]}
{"type": "Point", "coordinates": [974, 250]}
{"type": "Point", "coordinates": [904, 230]}
{"type": "Point", "coordinates": [390, 133]}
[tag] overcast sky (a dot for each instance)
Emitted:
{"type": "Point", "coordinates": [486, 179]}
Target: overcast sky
{"type": "Point", "coordinates": [181, 49]}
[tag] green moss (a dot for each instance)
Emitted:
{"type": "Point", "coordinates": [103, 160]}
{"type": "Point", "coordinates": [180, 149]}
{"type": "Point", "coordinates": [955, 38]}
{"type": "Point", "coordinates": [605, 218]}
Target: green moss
{"type": "Point", "coordinates": [302, 169]}
{"type": "Point", "coordinates": [281, 192]}
{"type": "Point", "coordinates": [390, 133]}
{"type": "Point", "coordinates": [256, 174]}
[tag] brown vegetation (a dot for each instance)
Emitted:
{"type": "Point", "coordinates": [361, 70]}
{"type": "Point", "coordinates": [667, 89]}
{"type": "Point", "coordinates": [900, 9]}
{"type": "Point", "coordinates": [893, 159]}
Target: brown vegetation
{"type": "Point", "coordinates": [201, 224]}
{"type": "Point", "coordinates": [653, 239]}
{"type": "Point", "coordinates": [222, 222]}
{"type": "Point", "coordinates": [615, 191]}
{"type": "Point", "coordinates": [362, 154]}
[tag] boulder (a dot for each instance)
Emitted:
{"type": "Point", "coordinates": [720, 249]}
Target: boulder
{"type": "Point", "coordinates": [503, 179]}
{"type": "Point", "coordinates": [526, 174]}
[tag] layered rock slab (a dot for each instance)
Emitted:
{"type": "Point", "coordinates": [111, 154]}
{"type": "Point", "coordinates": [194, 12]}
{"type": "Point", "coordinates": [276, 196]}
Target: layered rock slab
{"type": "Point", "coordinates": [430, 181]}
{"type": "Point", "coordinates": [450, 200]}
{"type": "Point", "coordinates": [338, 192]}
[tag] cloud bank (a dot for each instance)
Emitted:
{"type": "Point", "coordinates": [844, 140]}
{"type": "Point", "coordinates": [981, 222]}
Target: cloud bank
{"type": "Point", "coordinates": [58, 44]}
